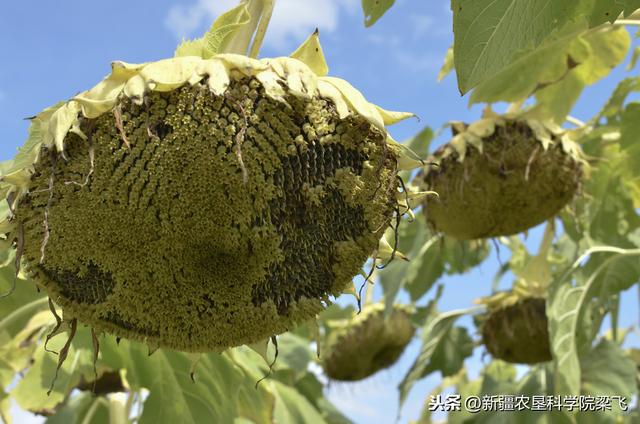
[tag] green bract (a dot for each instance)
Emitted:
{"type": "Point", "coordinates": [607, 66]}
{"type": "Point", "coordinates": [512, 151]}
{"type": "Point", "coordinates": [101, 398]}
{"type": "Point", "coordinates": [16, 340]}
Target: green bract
{"type": "Point", "coordinates": [367, 344]}
{"type": "Point", "coordinates": [198, 204]}
{"type": "Point", "coordinates": [500, 176]}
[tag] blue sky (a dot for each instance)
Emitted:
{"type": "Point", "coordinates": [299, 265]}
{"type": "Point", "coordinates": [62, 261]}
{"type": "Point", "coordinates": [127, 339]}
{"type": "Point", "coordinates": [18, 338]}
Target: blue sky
{"type": "Point", "coordinates": [52, 50]}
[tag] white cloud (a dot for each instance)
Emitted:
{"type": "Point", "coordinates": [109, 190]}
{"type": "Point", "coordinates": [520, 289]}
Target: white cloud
{"type": "Point", "coordinates": [292, 20]}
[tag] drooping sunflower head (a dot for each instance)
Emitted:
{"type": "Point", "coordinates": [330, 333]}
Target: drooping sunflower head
{"type": "Point", "coordinates": [515, 328]}
{"type": "Point", "coordinates": [500, 176]}
{"type": "Point", "coordinates": [366, 344]}
{"type": "Point", "coordinates": [198, 204]}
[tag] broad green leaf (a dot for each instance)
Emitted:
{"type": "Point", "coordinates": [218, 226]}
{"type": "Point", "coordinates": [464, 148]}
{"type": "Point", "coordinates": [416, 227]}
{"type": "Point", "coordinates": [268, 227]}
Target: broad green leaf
{"type": "Point", "coordinates": [291, 407]}
{"type": "Point", "coordinates": [31, 391]}
{"type": "Point", "coordinates": [219, 35]}
{"type": "Point", "coordinates": [311, 389]}
{"type": "Point", "coordinates": [411, 238]}
{"type": "Point", "coordinates": [607, 214]}
{"type": "Point", "coordinates": [420, 142]}
{"type": "Point", "coordinates": [173, 396]}
{"type": "Point", "coordinates": [523, 76]}
{"type": "Point", "coordinates": [17, 308]}
{"type": "Point", "coordinates": [630, 135]}
{"type": "Point", "coordinates": [424, 269]}
{"type": "Point", "coordinates": [607, 49]}
{"type": "Point", "coordinates": [429, 257]}
{"type": "Point", "coordinates": [557, 100]}
{"type": "Point", "coordinates": [607, 371]}
{"type": "Point", "coordinates": [566, 313]}
{"type": "Point", "coordinates": [433, 335]}
{"type": "Point", "coordinates": [630, 145]}
{"type": "Point", "coordinates": [293, 353]}
{"type": "Point", "coordinates": [16, 353]}
{"type": "Point", "coordinates": [75, 410]}
{"type": "Point", "coordinates": [310, 52]}
{"type": "Point", "coordinates": [460, 256]}
{"type": "Point", "coordinates": [558, 72]}
{"type": "Point", "coordinates": [621, 273]}
{"type": "Point", "coordinates": [449, 355]}
{"type": "Point", "coordinates": [492, 34]}
{"type": "Point", "coordinates": [374, 9]}
{"type": "Point", "coordinates": [608, 11]}
{"type": "Point", "coordinates": [466, 388]}
{"type": "Point", "coordinates": [498, 377]}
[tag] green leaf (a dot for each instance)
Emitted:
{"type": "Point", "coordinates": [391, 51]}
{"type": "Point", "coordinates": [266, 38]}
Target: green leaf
{"type": "Point", "coordinates": [420, 142]}
{"type": "Point", "coordinates": [608, 11]}
{"type": "Point", "coordinates": [629, 135]}
{"type": "Point", "coordinates": [566, 313]}
{"type": "Point", "coordinates": [310, 52]}
{"type": "Point", "coordinates": [621, 273]}
{"type": "Point", "coordinates": [558, 72]}
{"type": "Point", "coordinates": [424, 269]}
{"type": "Point", "coordinates": [460, 256]}
{"type": "Point", "coordinates": [173, 396]}
{"type": "Point", "coordinates": [630, 145]}
{"type": "Point", "coordinates": [607, 49]}
{"type": "Point", "coordinates": [492, 34]}
{"type": "Point", "coordinates": [519, 79]}
{"type": "Point", "coordinates": [433, 335]}
{"type": "Point", "coordinates": [412, 236]}
{"type": "Point", "coordinates": [311, 389]}
{"type": "Point", "coordinates": [374, 9]}
{"type": "Point", "coordinates": [31, 391]}
{"type": "Point", "coordinates": [465, 388]}
{"type": "Point", "coordinates": [607, 371]}
{"type": "Point", "coordinates": [17, 308]}
{"type": "Point", "coordinates": [291, 407]}
{"type": "Point", "coordinates": [219, 35]}
{"type": "Point", "coordinates": [74, 411]}
{"type": "Point", "coordinates": [607, 215]}
{"type": "Point", "coordinates": [294, 353]}
{"type": "Point", "coordinates": [498, 377]}
{"type": "Point", "coordinates": [449, 355]}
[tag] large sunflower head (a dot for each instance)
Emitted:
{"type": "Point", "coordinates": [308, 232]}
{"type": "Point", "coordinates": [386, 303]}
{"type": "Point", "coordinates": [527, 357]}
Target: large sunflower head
{"type": "Point", "coordinates": [198, 204]}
